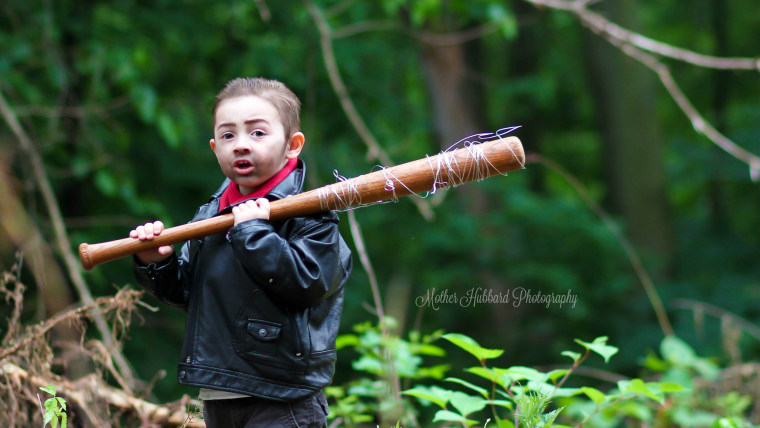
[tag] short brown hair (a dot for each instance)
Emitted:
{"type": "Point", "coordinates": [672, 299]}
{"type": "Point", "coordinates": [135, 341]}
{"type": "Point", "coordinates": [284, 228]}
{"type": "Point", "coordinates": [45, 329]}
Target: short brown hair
{"type": "Point", "coordinates": [284, 100]}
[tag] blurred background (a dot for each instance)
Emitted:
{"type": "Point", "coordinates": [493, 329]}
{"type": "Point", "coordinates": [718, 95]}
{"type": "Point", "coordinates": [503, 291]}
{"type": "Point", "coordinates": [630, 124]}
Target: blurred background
{"type": "Point", "coordinates": [627, 200]}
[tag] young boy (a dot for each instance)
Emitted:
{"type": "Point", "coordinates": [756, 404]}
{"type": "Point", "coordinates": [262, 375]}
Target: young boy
{"type": "Point", "coordinates": [263, 300]}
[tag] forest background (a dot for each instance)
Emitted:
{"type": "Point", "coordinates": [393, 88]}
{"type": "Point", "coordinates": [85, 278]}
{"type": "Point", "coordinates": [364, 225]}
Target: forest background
{"type": "Point", "coordinates": [639, 196]}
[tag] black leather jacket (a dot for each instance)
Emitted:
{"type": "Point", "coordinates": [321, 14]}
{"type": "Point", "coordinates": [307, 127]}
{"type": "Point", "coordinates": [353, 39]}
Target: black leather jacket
{"type": "Point", "coordinates": [264, 301]}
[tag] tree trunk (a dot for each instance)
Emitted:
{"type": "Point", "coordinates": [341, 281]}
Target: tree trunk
{"type": "Point", "coordinates": [719, 14]}
{"type": "Point", "coordinates": [632, 149]}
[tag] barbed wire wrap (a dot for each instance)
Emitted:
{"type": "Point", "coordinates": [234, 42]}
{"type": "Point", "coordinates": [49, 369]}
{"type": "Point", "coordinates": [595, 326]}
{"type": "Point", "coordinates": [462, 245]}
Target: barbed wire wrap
{"type": "Point", "coordinates": [345, 193]}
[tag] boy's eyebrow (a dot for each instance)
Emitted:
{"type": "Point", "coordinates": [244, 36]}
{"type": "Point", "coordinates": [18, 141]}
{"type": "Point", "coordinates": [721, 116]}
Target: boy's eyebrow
{"type": "Point", "coordinates": [247, 122]}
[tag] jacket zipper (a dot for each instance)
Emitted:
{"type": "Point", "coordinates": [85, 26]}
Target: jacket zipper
{"type": "Point", "coordinates": [192, 316]}
{"type": "Point", "coordinates": [296, 335]}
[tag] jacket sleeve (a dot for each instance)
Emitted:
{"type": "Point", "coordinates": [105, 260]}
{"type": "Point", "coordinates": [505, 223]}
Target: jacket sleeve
{"type": "Point", "coordinates": [304, 267]}
{"type": "Point", "coordinates": [167, 281]}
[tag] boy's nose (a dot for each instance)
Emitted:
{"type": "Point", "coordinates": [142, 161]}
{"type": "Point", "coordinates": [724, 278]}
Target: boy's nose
{"type": "Point", "coordinates": [242, 145]}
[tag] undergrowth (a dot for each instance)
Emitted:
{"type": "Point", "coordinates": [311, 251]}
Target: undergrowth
{"type": "Point", "coordinates": [680, 388]}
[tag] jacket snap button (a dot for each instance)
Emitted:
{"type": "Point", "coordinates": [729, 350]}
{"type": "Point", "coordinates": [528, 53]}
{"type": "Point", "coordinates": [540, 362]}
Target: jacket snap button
{"type": "Point", "coordinates": [182, 374]}
{"type": "Point", "coordinates": [271, 280]}
{"type": "Point", "coordinates": [262, 332]}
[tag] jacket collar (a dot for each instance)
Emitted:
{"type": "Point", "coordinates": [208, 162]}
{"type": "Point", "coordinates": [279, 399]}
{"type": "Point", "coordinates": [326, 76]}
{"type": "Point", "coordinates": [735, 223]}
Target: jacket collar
{"type": "Point", "coordinates": [291, 185]}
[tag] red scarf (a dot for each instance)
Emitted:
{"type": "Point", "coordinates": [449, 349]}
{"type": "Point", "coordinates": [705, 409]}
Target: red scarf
{"type": "Point", "coordinates": [232, 194]}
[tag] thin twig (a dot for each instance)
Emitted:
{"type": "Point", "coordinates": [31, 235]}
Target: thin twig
{"type": "Point", "coordinates": [718, 312]}
{"type": "Point", "coordinates": [356, 233]}
{"type": "Point", "coordinates": [35, 331]}
{"type": "Point", "coordinates": [630, 251]}
{"type": "Point", "coordinates": [427, 37]}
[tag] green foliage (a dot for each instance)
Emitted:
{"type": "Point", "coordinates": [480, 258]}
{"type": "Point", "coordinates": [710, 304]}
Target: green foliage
{"type": "Point", "coordinates": [520, 396]}
{"type": "Point", "coordinates": [387, 359]}
{"type": "Point", "coordinates": [524, 394]}
{"type": "Point", "coordinates": [55, 409]}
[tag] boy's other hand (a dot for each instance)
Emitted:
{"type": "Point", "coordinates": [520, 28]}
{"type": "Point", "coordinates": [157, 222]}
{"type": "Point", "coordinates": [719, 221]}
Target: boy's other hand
{"type": "Point", "coordinates": [147, 232]}
{"type": "Point", "coordinates": [250, 210]}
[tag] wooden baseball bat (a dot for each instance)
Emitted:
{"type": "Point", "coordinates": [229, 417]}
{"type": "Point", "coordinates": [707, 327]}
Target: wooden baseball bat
{"type": "Point", "coordinates": [449, 168]}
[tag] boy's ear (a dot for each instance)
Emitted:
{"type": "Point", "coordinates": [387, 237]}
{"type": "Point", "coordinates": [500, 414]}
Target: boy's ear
{"type": "Point", "coordinates": [295, 145]}
{"type": "Point", "coordinates": [212, 143]}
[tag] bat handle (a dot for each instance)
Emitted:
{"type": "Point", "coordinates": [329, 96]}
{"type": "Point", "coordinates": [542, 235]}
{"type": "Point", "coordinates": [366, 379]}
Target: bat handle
{"type": "Point", "coordinates": [92, 255]}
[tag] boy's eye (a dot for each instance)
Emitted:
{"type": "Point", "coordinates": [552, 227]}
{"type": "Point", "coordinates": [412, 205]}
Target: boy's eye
{"type": "Point", "coordinates": [228, 135]}
{"type": "Point", "coordinates": [258, 133]}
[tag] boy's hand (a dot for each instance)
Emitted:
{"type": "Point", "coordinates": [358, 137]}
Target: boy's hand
{"type": "Point", "coordinates": [249, 210]}
{"type": "Point", "coordinates": [147, 232]}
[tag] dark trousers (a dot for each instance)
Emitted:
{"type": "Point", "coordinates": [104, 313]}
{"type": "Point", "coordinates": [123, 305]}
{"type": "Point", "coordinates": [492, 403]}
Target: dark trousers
{"type": "Point", "coordinates": [253, 412]}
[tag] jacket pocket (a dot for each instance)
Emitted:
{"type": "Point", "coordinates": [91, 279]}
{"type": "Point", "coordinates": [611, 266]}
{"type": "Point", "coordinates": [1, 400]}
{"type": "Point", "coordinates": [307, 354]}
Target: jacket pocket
{"type": "Point", "coordinates": [255, 336]}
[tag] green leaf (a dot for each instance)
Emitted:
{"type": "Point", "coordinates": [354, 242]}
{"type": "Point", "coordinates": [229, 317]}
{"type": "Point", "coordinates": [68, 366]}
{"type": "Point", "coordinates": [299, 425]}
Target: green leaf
{"type": "Point", "coordinates": [680, 354]}
{"type": "Point", "coordinates": [556, 374]}
{"type": "Point", "coordinates": [638, 386]}
{"type": "Point", "coordinates": [435, 372]}
{"type": "Point", "coordinates": [479, 390]}
{"type": "Point", "coordinates": [502, 403]}
{"type": "Point", "coordinates": [368, 364]}
{"type": "Point", "coordinates": [428, 349]}
{"type": "Point", "coordinates": [50, 389]}
{"type": "Point", "coordinates": [61, 402]}
{"type": "Point", "coordinates": [145, 100]}
{"type": "Point", "coordinates": [437, 395]}
{"type": "Point", "coordinates": [599, 345]}
{"type": "Point", "coordinates": [50, 405]}
{"type": "Point", "coordinates": [547, 419]}
{"type": "Point", "coordinates": [667, 386]}
{"type": "Point", "coordinates": [594, 394]}
{"type": "Point", "coordinates": [467, 404]}
{"type": "Point", "coordinates": [346, 340]}
{"type": "Point", "coordinates": [471, 346]}
{"type": "Point", "coordinates": [573, 355]}
{"type": "Point", "coordinates": [677, 352]}
{"type": "Point", "coordinates": [106, 183]}
{"type": "Point", "coordinates": [494, 375]}
{"type": "Point", "coordinates": [518, 373]}
{"type": "Point", "coordinates": [168, 130]}
{"type": "Point", "coordinates": [449, 416]}
{"type": "Point", "coordinates": [505, 19]}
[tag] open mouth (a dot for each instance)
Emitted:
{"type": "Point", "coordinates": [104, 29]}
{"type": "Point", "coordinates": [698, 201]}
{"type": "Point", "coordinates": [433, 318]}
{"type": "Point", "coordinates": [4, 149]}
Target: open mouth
{"type": "Point", "coordinates": [243, 166]}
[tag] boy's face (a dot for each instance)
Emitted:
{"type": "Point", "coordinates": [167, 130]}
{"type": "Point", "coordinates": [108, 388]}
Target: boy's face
{"type": "Point", "coordinates": [250, 142]}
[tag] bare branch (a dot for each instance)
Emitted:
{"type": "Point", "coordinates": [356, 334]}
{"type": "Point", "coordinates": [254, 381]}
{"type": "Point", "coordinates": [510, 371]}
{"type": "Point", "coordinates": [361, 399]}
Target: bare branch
{"type": "Point", "coordinates": [428, 37]}
{"type": "Point", "coordinates": [364, 27]}
{"type": "Point", "coordinates": [602, 25]}
{"type": "Point", "coordinates": [124, 299]}
{"type": "Point", "coordinates": [64, 111]}
{"type": "Point", "coordinates": [61, 238]}
{"type": "Point", "coordinates": [85, 391]}
{"type": "Point", "coordinates": [375, 150]}
{"type": "Point", "coordinates": [639, 47]}
{"type": "Point", "coordinates": [700, 124]}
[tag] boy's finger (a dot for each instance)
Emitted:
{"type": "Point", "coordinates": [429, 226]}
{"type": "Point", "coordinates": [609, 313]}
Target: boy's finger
{"type": "Point", "coordinates": [263, 203]}
{"type": "Point", "coordinates": [158, 227]}
{"type": "Point", "coordinates": [149, 230]}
